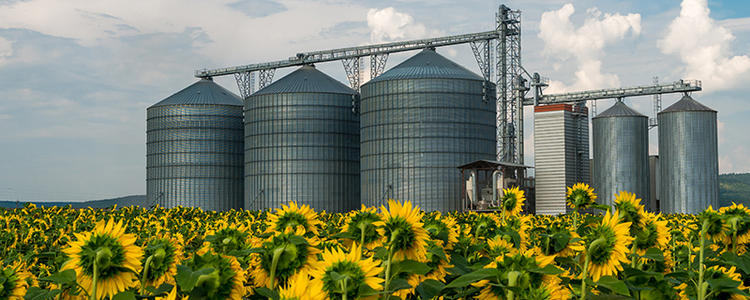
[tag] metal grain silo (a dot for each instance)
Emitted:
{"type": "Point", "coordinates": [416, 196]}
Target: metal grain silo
{"type": "Point", "coordinates": [302, 143]}
{"type": "Point", "coordinates": [194, 150]}
{"type": "Point", "coordinates": [688, 157]}
{"type": "Point", "coordinates": [620, 153]}
{"type": "Point", "coordinates": [420, 120]}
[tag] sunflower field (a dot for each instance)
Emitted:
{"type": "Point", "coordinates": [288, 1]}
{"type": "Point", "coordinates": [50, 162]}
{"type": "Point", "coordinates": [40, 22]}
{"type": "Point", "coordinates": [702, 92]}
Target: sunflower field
{"type": "Point", "coordinates": [396, 251]}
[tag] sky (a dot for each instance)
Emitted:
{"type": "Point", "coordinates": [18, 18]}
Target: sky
{"type": "Point", "coordinates": [77, 76]}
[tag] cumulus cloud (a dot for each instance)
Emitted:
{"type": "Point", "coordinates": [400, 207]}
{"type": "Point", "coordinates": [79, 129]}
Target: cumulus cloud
{"type": "Point", "coordinates": [704, 46]}
{"type": "Point", "coordinates": [6, 49]}
{"type": "Point", "coordinates": [563, 41]}
{"type": "Point", "coordinates": [390, 25]}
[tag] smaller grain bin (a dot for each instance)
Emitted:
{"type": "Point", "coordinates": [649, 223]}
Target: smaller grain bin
{"type": "Point", "coordinates": [688, 157]}
{"type": "Point", "coordinates": [194, 150]}
{"type": "Point", "coordinates": [620, 153]}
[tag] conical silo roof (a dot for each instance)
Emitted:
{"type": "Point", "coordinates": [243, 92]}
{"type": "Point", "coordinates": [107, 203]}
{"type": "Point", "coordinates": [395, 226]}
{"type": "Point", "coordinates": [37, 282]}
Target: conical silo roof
{"type": "Point", "coordinates": [203, 92]}
{"type": "Point", "coordinates": [619, 110]}
{"type": "Point", "coordinates": [687, 103]}
{"type": "Point", "coordinates": [427, 64]}
{"type": "Point", "coordinates": [306, 79]}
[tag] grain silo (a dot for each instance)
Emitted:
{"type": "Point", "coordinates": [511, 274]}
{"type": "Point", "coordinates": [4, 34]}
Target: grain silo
{"type": "Point", "coordinates": [302, 143]}
{"type": "Point", "coordinates": [419, 121]}
{"type": "Point", "coordinates": [688, 157]}
{"type": "Point", "coordinates": [194, 149]}
{"type": "Point", "coordinates": [561, 154]}
{"type": "Point", "coordinates": [620, 153]}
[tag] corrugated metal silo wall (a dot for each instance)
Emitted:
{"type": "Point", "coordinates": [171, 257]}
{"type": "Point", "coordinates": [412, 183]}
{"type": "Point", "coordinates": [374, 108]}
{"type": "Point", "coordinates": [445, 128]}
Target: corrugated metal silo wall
{"type": "Point", "coordinates": [301, 147]}
{"type": "Point", "coordinates": [620, 157]}
{"type": "Point", "coordinates": [415, 132]}
{"type": "Point", "coordinates": [688, 157]}
{"type": "Point", "coordinates": [194, 156]}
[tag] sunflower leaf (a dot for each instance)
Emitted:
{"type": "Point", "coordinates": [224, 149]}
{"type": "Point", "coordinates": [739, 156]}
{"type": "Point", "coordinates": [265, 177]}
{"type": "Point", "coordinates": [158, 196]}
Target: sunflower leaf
{"type": "Point", "coordinates": [654, 254]}
{"type": "Point", "coordinates": [547, 270]}
{"type": "Point", "coordinates": [36, 293]}
{"type": "Point", "coordinates": [430, 288]}
{"type": "Point", "coordinates": [124, 295]}
{"type": "Point", "coordinates": [61, 278]}
{"type": "Point", "coordinates": [410, 267]}
{"type": "Point", "coordinates": [297, 240]}
{"type": "Point", "coordinates": [438, 251]}
{"type": "Point", "coordinates": [466, 279]}
{"type": "Point", "coordinates": [399, 284]}
{"type": "Point", "coordinates": [613, 284]}
{"type": "Point", "coordinates": [266, 292]}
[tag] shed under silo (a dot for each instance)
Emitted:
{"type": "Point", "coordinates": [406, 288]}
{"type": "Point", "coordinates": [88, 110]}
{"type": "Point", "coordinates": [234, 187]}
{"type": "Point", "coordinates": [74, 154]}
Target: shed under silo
{"type": "Point", "coordinates": [194, 150]}
{"type": "Point", "coordinates": [688, 157]}
{"type": "Point", "coordinates": [620, 137]}
{"type": "Point", "coordinates": [302, 144]}
{"type": "Point", "coordinates": [420, 120]}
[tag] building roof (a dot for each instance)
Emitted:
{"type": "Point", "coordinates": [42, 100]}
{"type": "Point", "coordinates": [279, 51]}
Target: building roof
{"type": "Point", "coordinates": [203, 92]}
{"type": "Point", "coordinates": [306, 79]}
{"type": "Point", "coordinates": [427, 64]}
{"type": "Point", "coordinates": [619, 110]}
{"type": "Point", "coordinates": [491, 164]}
{"type": "Point", "coordinates": [687, 103]}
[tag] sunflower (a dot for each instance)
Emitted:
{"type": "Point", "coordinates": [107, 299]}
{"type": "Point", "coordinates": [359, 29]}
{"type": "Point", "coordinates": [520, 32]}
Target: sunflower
{"type": "Point", "coordinates": [737, 229]}
{"type": "Point", "coordinates": [556, 240]}
{"type": "Point", "coordinates": [14, 281]}
{"type": "Point", "coordinates": [301, 287]}
{"type": "Point", "coordinates": [224, 282]}
{"type": "Point", "coordinates": [607, 246]}
{"type": "Point", "coordinates": [228, 239]}
{"type": "Point", "coordinates": [713, 222]}
{"type": "Point", "coordinates": [163, 254]}
{"type": "Point", "coordinates": [652, 234]}
{"type": "Point", "coordinates": [294, 216]}
{"type": "Point", "coordinates": [282, 256]}
{"type": "Point", "coordinates": [688, 291]}
{"type": "Point", "coordinates": [580, 196]}
{"type": "Point", "coordinates": [514, 266]}
{"type": "Point", "coordinates": [108, 255]}
{"type": "Point", "coordinates": [630, 208]}
{"type": "Point", "coordinates": [498, 246]}
{"type": "Point", "coordinates": [361, 227]}
{"type": "Point", "coordinates": [512, 201]}
{"type": "Point", "coordinates": [403, 229]}
{"type": "Point", "coordinates": [442, 230]}
{"type": "Point", "coordinates": [347, 273]}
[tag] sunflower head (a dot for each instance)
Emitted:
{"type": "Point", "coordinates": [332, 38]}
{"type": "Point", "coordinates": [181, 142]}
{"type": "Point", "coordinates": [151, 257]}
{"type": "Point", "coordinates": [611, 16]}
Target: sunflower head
{"type": "Point", "coordinates": [223, 277]}
{"type": "Point", "coordinates": [737, 220]}
{"type": "Point", "coordinates": [652, 234]}
{"type": "Point", "coordinates": [347, 273]}
{"type": "Point", "coordinates": [165, 254]}
{"type": "Point", "coordinates": [14, 281]}
{"type": "Point", "coordinates": [607, 246]}
{"type": "Point", "coordinates": [557, 240]}
{"type": "Point", "coordinates": [442, 230]}
{"type": "Point", "coordinates": [361, 226]}
{"type": "Point", "coordinates": [713, 223]}
{"type": "Point", "coordinates": [484, 227]}
{"type": "Point", "coordinates": [499, 246]}
{"type": "Point", "coordinates": [282, 256]}
{"type": "Point", "coordinates": [580, 196]}
{"type": "Point", "coordinates": [292, 217]}
{"type": "Point", "coordinates": [114, 254]}
{"type": "Point", "coordinates": [512, 201]}
{"type": "Point", "coordinates": [229, 239]}
{"type": "Point", "coordinates": [630, 209]}
{"type": "Point", "coordinates": [302, 287]}
{"type": "Point", "coordinates": [513, 270]}
{"type": "Point", "coordinates": [404, 231]}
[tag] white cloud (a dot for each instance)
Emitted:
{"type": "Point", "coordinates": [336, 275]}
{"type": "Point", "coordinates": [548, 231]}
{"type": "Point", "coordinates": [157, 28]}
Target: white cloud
{"type": "Point", "coordinates": [390, 25]}
{"type": "Point", "coordinates": [6, 49]}
{"type": "Point", "coordinates": [563, 40]}
{"type": "Point", "coordinates": [704, 46]}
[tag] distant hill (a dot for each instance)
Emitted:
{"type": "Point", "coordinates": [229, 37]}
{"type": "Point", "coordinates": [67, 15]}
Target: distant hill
{"type": "Point", "coordinates": [734, 187]}
{"type": "Point", "coordinates": [139, 200]}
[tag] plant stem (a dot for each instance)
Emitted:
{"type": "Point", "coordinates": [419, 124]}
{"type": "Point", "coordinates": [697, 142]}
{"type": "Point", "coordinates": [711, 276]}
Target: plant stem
{"type": "Point", "coordinates": [92, 296]}
{"type": "Point", "coordinates": [701, 288]}
{"type": "Point", "coordinates": [512, 281]}
{"type": "Point", "coordinates": [362, 233]}
{"type": "Point", "coordinates": [274, 263]}
{"type": "Point", "coordinates": [145, 273]}
{"type": "Point", "coordinates": [586, 262]}
{"type": "Point", "coordinates": [575, 220]}
{"type": "Point", "coordinates": [388, 271]}
{"type": "Point", "coordinates": [346, 292]}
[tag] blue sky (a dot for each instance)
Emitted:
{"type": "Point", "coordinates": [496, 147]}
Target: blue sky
{"type": "Point", "coordinates": [76, 76]}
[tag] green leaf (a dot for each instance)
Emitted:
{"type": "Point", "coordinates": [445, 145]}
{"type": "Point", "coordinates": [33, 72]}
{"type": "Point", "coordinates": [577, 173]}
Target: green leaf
{"type": "Point", "coordinates": [125, 295]}
{"type": "Point", "coordinates": [613, 284]}
{"type": "Point", "coordinates": [410, 267]}
{"type": "Point", "coordinates": [61, 278]}
{"type": "Point", "coordinates": [36, 293]}
{"type": "Point", "coordinates": [186, 278]}
{"type": "Point", "coordinates": [297, 240]}
{"type": "Point", "coordinates": [266, 292]}
{"type": "Point", "coordinates": [430, 288]}
{"type": "Point", "coordinates": [466, 279]}
{"type": "Point", "coordinates": [722, 284]}
{"type": "Point", "coordinates": [399, 284]}
{"type": "Point", "coordinates": [547, 270]}
{"type": "Point", "coordinates": [437, 251]}
{"type": "Point", "coordinates": [654, 254]}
